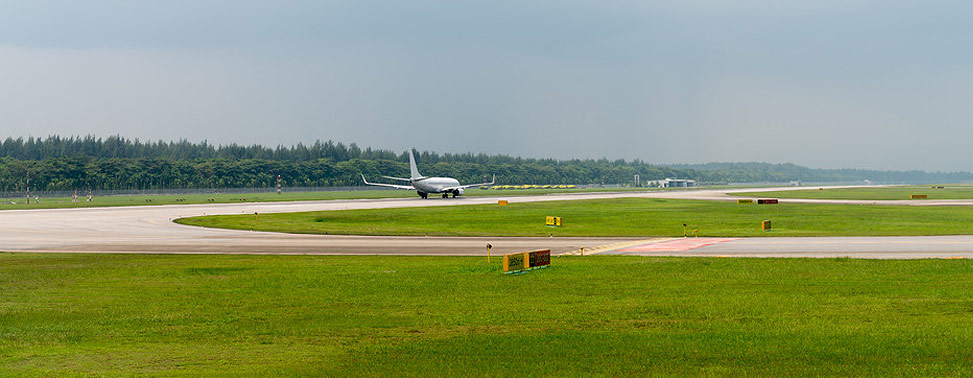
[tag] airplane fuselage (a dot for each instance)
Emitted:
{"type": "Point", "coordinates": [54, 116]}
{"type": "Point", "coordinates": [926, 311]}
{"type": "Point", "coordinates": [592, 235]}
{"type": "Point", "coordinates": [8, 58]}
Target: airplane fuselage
{"type": "Point", "coordinates": [435, 185]}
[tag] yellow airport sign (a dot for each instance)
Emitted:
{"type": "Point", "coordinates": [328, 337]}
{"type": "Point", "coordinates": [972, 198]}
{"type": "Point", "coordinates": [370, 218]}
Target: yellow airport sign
{"type": "Point", "coordinates": [918, 196]}
{"type": "Point", "coordinates": [524, 261]}
{"type": "Point", "coordinates": [513, 262]}
{"type": "Point", "coordinates": [743, 201]}
{"type": "Point", "coordinates": [553, 221]}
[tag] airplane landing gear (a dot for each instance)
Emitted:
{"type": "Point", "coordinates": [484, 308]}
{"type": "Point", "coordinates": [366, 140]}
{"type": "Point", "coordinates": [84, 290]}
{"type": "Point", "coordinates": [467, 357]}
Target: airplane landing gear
{"type": "Point", "coordinates": [423, 195]}
{"type": "Point", "coordinates": [445, 195]}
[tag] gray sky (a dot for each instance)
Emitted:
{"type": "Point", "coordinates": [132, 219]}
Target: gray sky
{"type": "Point", "coordinates": [859, 84]}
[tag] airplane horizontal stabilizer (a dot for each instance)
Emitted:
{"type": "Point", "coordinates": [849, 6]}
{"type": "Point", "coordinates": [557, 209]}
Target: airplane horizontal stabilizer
{"type": "Point", "coordinates": [405, 187]}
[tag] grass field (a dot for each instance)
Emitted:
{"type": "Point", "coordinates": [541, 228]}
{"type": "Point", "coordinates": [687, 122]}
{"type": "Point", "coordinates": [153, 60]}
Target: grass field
{"type": "Point", "coordinates": [158, 315]}
{"type": "Point", "coordinates": [634, 217]}
{"type": "Point", "coordinates": [181, 199]}
{"type": "Point", "coordinates": [866, 193]}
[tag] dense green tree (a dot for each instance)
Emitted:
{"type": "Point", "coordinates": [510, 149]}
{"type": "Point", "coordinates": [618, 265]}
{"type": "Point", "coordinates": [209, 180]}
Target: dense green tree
{"type": "Point", "coordinates": [57, 163]}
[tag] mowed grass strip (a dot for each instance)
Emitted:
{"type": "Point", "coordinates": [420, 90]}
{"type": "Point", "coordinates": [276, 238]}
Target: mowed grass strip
{"type": "Point", "coordinates": [185, 199]}
{"type": "Point", "coordinates": [623, 217]}
{"type": "Point", "coordinates": [158, 315]}
{"type": "Point", "coordinates": [182, 199]}
{"type": "Point", "coordinates": [868, 193]}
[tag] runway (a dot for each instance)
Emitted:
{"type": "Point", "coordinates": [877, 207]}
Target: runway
{"type": "Point", "coordinates": [149, 229]}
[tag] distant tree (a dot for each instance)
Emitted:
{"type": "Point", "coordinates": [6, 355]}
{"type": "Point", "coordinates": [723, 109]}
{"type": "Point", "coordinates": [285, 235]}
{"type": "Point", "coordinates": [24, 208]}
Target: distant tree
{"type": "Point", "coordinates": [58, 163]}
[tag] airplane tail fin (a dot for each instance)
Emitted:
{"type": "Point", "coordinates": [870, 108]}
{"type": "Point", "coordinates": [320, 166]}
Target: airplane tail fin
{"type": "Point", "coordinates": [412, 166]}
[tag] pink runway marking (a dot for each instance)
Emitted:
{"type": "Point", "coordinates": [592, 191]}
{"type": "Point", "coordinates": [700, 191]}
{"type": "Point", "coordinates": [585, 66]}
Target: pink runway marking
{"type": "Point", "coordinates": [680, 245]}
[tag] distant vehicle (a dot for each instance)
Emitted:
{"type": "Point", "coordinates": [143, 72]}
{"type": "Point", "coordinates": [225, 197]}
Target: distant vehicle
{"type": "Point", "coordinates": [428, 185]}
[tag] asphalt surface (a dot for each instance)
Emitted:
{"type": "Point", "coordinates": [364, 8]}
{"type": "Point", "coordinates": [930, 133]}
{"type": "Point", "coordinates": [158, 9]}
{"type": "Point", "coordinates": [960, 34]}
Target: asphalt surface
{"type": "Point", "coordinates": [149, 229]}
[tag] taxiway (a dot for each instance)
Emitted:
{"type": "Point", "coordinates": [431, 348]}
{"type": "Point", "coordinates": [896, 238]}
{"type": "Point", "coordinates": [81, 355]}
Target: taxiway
{"type": "Point", "coordinates": [149, 229]}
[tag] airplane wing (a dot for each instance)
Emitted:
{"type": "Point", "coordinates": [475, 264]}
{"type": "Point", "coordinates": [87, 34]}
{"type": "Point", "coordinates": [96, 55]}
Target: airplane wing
{"type": "Point", "coordinates": [397, 178]}
{"type": "Point", "coordinates": [471, 185]}
{"type": "Point", "coordinates": [406, 187]}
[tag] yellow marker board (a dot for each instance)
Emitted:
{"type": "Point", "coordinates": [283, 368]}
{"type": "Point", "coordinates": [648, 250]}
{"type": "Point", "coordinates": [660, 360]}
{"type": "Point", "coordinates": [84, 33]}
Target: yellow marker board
{"type": "Point", "coordinates": [918, 196]}
{"type": "Point", "coordinates": [765, 225]}
{"type": "Point", "coordinates": [502, 202]}
{"type": "Point", "coordinates": [513, 262]}
{"type": "Point", "coordinates": [553, 221]}
{"type": "Point", "coordinates": [743, 201]}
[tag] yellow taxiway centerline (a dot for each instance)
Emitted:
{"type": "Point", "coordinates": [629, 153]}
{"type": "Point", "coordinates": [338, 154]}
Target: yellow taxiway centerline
{"type": "Point", "coordinates": [614, 246]}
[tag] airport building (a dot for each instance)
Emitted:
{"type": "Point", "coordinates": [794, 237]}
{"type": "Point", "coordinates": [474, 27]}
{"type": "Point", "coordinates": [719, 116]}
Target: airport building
{"type": "Point", "coordinates": [678, 183]}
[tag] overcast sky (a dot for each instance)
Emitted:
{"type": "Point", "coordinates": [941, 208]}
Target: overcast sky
{"type": "Point", "coordinates": [858, 84]}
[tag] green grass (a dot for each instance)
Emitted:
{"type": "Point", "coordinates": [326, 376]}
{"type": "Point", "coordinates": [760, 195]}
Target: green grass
{"type": "Point", "coordinates": [181, 199]}
{"type": "Point", "coordinates": [634, 217]}
{"type": "Point", "coordinates": [867, 193]}
{"type": "Point", "coordinates": [158, 315]}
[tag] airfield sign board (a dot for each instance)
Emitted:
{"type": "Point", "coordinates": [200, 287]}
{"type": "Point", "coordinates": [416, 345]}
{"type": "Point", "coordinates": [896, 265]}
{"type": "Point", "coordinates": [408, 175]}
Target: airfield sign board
{"type": "Point", "coordinates": [524, 261]}
{"type": "Point", "coordinates": [539, 259]}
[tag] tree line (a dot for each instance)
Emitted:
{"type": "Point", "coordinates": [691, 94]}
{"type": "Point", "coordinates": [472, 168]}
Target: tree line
{"type": "Point", "coordinates": [140, 174]}
{"type": "Point", "coordinates": [767, 172]}
{"type": "Point", "coordinates": [117, 163]}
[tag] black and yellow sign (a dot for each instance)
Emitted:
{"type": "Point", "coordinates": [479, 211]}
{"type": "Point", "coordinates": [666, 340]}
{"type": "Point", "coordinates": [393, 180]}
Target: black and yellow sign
{"type": "Point", "coordinates": [539, 258]}
{"type": "Point", "coordinates": [553, 221]}
{"type": "Point", "coordinates": [743, 201]}
{"type": "Point", "coordinates": [918, 196]}
{"type": "Point", "coordinates": [524, 261]}
{"type": "Point", "coordinates": [513, 262]}
{"type": "Point", "coordinates": [765, 225]}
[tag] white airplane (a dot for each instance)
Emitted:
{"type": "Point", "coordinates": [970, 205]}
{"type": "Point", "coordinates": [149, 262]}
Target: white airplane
{"type": "Point", "coordinates": [428, 185]}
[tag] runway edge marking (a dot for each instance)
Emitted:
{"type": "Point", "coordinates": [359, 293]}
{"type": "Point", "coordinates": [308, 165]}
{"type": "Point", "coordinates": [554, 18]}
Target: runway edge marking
{"type": "Point", "coordinates": [616, 246]}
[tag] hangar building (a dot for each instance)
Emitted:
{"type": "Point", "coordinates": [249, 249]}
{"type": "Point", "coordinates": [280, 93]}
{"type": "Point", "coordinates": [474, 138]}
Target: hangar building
{"type": "Point", "coordinates": [678, 183]}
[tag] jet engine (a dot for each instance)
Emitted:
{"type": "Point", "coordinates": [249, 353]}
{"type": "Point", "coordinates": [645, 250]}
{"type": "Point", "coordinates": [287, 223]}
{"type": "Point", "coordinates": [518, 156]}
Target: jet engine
{"type": "Point", "coordinates": [458, 192]}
